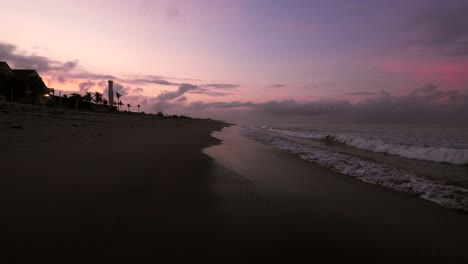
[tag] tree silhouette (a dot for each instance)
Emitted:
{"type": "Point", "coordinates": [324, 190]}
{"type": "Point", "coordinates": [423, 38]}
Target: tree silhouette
{"type": "Point", "coordinates": [77, 98]}
{"type": "Point", "coordinates": [118, 95]}
{"type": "Point", "coordinates": [98, 97]}
{"type": "Point", "coordinates": [128, 107]}
{"type": "Point", "coordinates": [88, 97]}
{"type": "Point", "coordinates": [138, 108]}
{"type": "Point", "coordinates": [120, 104]}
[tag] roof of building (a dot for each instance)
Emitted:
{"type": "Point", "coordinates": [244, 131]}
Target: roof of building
{"type": "Point", "coordinates": [5, 69]}
{"type": "Point", "coordinates": [25, 73]}
{"type": "Point", "coordinates": [4, 64]}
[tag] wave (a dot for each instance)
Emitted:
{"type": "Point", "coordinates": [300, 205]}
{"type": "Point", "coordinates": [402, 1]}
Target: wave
{"type": "Point", "coordinates": [427, 153]}
{"type": "Point", "coordinates": [372, 172]}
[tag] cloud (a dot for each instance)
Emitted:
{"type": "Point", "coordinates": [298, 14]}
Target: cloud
{"type": "Point", "coordinates": [199, 105]}
{"type": "Point", "coordinates": [185, 79]}
{"type": "Point", "coordinates": [63, 71]}
{"type": "Point", "coordinates": [217, 94]}
{"type": "Point", "coordinates": [69, 65]}
{"type": "Point", "coordinates": [85, 86]}
{"type": "Point", "coordinates": [172, 99]}
{"type": "Point", "coordinates": [89, 75]}
{"type": "Point", "coordinates": [213, 89]}
{"type": "Point", "coordinates": [150, 79]}
{"type": "Point", "coordinates": [59, 71]}
{"type": "Point", "coordinates": [181, 99]}
{"type": "Point", "coordinates": [59, 78]}
{"type": "Point", "coordinates": [221, 85]}
{"type": "Point", "coordinates": [430, 91]}
{"type": "Point", "coordinates": [291, 107]}
{"type": "Point", "coordinates": [177, 98]}
{"type": "Point", "coordinates": [137, 90]}
{"type": "Point", "coordinates": [9, 53]}
{"type": "Point", "coordinates": [117, 87]}
{"type": "Point", "coordinates": [210, 93]}
{"type": "Point", "coordinates": [183, 88]}
{"type": "Point", "coordinates": [63, 77]}
{"type": "Point", "coordinates": [285, 107]}
{"type": "Point", "coordinates": [275, 86]}
{"type": "Point", "coordinates": [361, 93]}
{"type": "Point", "coordinates": [426, 103]}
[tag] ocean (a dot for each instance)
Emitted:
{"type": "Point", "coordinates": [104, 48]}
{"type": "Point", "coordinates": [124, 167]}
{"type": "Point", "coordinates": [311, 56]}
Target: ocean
{"type": "Point", "coordinates": [294, 195]}
{"type": "Point", "coordinates": [426, 160]}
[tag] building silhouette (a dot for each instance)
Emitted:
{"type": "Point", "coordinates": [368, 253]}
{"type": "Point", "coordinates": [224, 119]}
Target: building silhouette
{"type": "Point", "coordinates": [23, 85]}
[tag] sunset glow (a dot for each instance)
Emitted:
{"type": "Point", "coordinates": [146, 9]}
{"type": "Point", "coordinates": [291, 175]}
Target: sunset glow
{"type": "Point", "coordinates": [243, 51]}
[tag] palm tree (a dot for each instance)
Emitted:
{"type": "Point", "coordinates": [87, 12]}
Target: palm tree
{"type": "Point", "coordinates": [120, 104]}
{"type": "Point", "coordinates": [128, 107]}
{"type": "Point", "coordinates": [98, 97]}
{"type": "Point", "coordinates": [118, 95]}
{"type": "Point", "coordinates": [138, 108]}
{"type": "Point", "coordinates": [88, 97]}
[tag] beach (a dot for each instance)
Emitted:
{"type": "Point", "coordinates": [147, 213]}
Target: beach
{"type": "Point", "coordinates": [83, 187]}
{"type": "Point", "coordinates": [90, 187]}
{"type": "Point", "coordinates": [296, 210]}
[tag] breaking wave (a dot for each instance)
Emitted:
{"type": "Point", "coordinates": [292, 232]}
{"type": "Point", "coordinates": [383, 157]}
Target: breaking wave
{"type": "Point", "coordinates": [368, 171]}
{"type": "Point", "coordinates": [427, 153]}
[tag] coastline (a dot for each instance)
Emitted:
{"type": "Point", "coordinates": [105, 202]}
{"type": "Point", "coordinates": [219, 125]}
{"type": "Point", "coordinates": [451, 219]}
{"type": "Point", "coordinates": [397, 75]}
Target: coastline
{"type": "Point", "coordinates": [288, 208]}
{"type": "Point", "coordinates": [91, 188]}
{"type": "Point", "coordinates": [84, 187]}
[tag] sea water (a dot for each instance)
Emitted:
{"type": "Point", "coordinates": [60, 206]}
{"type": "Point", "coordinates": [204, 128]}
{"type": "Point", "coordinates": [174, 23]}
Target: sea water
{"type": "Point", "coordinates": [429, 161]}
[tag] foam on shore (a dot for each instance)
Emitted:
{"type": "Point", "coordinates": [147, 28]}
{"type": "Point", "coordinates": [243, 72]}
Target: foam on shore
{"type": "Point", "coordinates": [427, 153]}
{"type": "Point", "coordinates": [369, 171]}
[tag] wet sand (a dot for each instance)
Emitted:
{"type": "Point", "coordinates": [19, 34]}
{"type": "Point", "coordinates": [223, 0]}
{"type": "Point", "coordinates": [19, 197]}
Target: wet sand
{"type": "Point", "coordinates": [285, 208]}
{"type": "Point", "coordinates": [98, 188]}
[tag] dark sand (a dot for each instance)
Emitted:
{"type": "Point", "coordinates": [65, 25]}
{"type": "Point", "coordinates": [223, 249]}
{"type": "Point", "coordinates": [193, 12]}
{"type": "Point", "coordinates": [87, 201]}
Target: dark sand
{"type": "Point", "coordinates": [83, 187]}
{"type": "Point", "coordinates": [96, 188]}
{"type": "Point", "coordinates": [288, 209]}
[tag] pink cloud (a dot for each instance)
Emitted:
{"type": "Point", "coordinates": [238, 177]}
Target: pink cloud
{"type": "Point", "coordinates": [449, 75]}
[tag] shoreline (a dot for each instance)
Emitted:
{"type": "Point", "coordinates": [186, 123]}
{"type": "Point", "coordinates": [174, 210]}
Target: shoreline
{"type": "Point", "coordinates": [439, 183]}
{"type": "Point", "coordinates": [84, 188]}
{"type": "Point", "coordinates": [289, 208]}
{"type": "Point", "coordinates": [88, 188]}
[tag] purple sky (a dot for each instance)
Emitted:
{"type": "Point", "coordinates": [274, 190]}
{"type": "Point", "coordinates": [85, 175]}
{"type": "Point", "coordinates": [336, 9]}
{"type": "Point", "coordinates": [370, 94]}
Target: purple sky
{"type": "Point", "coordinates": [213, 57]}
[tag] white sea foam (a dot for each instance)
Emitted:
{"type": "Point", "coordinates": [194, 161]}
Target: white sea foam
{"type": "Point", "coordinates": [385, 145]}
{"type": "Point", "coordinates": [370, 171]}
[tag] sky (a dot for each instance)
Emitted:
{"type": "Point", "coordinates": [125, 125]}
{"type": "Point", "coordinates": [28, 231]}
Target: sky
{"type": "Point", "coordinates": [230, 59]}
